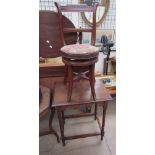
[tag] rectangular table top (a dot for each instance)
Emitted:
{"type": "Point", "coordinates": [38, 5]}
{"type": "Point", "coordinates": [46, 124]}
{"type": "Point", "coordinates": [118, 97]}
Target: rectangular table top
{"type": "Point", "coordinates": [81, 93]}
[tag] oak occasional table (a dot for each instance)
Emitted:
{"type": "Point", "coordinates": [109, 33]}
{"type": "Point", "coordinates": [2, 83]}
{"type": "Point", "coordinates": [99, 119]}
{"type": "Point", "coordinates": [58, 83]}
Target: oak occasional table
{"type": "Point", "coordinates": [81, 95]}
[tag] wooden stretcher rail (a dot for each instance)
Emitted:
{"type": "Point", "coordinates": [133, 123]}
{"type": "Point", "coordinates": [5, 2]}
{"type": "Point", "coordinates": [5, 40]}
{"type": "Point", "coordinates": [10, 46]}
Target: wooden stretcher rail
{"type": "Point", "coordinates": [79, 115]}
{"type": "Point", "coordinates": [81, 136]}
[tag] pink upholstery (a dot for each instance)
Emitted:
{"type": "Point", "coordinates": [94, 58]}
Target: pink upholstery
{"type": "Point", "coordinates": [79, 49]}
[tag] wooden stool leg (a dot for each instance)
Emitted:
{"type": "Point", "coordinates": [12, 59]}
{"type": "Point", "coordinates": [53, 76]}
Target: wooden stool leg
{"type": "Point", "coordinates": [103, 119]}
{"type": "Point", "coordinates": [52, 112]}
{"type": "Point", "coordinates": [95, 110]}
{"type": "Point", "coordinates": [92, 80]}
{"type": "Point", "coordinates": [66, 74]}
{"type": "Point", "coordinates": [61, 124]}
{"type": "Point", "coordinates": [70, 83]}
{"type": "Point", "coordinates": [63, 116]}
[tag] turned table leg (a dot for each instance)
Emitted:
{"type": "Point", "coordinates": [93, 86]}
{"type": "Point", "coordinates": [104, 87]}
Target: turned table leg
{"type": "Point", "coordinates": [63, 116]}
{"type": "Point", "coordinates": [52, 112]}
{"type": "Point", "coordinates": [61, 124]}
{"type": "Point", "coordinates": [95, 110]}
{"type": "Point", "coordinates": [103, 119]}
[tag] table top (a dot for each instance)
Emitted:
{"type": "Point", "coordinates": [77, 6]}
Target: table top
{"type": "Point", "coordinates": [49, 34]}
{"type": "Point", "coordinates": [81, 94]}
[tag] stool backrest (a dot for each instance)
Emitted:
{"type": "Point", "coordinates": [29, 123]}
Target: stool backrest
{"type": "Point", "coordinates": [77, 8]}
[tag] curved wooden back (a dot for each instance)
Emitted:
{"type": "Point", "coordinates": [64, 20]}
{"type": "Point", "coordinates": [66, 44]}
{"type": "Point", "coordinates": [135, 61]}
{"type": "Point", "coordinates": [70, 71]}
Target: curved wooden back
{"type": "Point", "coordinates": [49, 34]}
{"type": "Point", "coordinates": [77, 8]}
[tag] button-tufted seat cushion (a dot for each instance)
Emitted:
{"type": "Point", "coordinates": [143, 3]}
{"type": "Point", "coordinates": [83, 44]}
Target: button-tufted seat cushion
{"type": "Point", "coordinates": [79, 51]}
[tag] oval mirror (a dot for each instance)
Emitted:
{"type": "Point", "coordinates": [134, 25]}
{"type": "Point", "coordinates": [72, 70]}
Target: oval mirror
{"type": "Point", "coordinates": [101, 12]}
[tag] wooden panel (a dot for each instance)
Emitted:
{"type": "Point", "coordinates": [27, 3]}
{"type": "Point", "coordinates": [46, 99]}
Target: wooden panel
{"type": "Point", "coordinates": [49, 82]}
{"type": "Point", "coordinates": [54, 71]}
{"type": "Point", "coordinates": [77, 8]}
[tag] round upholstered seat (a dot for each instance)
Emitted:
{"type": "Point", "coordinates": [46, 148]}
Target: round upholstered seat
{"type": "Point", "coordinates": [81, 57]}
{"type": "Point", "coordinates": [79, 51]}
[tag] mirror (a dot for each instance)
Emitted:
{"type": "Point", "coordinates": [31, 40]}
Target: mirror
{"type": "Point", "coordinates": [101, 12]}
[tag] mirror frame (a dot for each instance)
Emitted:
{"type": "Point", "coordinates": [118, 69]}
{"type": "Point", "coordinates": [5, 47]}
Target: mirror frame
{"type": "Point", "coordinates": [105, 3]}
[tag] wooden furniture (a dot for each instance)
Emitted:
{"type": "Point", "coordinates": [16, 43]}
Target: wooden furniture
{"type": "Point", "coordinates": [44, 107]}
{"type": "Point", "coordinates": [79, 56]}
{"type": "Point", "coordinates": [81, 96]}
{"type": "Point", "coordinates": [50, 41]}
{"type": "Point", "coordinates": [51, 67]}
{"type": "Point", "coordinates": [51, 80]}
{"type": "Point", "coordinates": [71, 55]}
{"type": "Point", "coordinates": [76, 8]}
